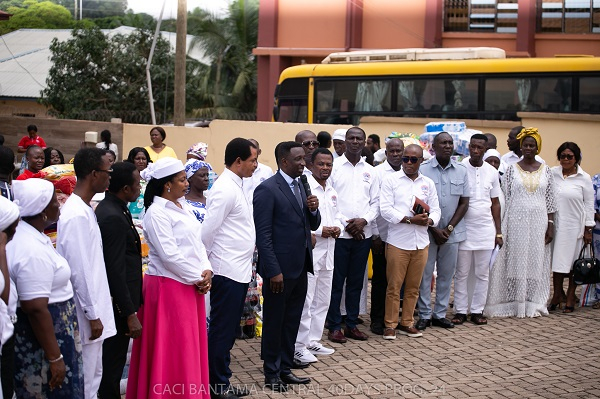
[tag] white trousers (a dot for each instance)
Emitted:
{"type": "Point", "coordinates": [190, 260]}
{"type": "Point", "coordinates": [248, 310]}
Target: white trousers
{"type": "Point", "coordinates": [476, 264]}
{"type": "Point", "coordinates": [314, 313]}
{"type": "Point", "coordinates": [362, 306]}
{"type": "Point", "coordinates": [92, 368]}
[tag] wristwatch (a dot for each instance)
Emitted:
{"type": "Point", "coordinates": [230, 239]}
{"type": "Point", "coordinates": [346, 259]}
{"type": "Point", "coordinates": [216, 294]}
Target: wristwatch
{"type": "Point", "coordinates": [450, 228]}
{"type": "Point", "coordinates": [407, 220]}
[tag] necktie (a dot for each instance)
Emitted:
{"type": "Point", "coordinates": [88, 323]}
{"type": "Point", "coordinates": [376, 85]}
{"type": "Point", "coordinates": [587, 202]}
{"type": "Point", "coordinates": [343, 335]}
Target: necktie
{"type": "Point", "coordinates": [297, 192]}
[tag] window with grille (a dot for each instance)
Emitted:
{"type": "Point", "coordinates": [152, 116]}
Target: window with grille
{"type": "Point", "coordinates": [481, 16]}
{"type": "Point", "coordinates": [568, 16]}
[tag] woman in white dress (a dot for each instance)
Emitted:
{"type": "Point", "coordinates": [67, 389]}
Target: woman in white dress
{"type": "Point", "coordinates": [574, 221]}
{"type": "Point", "coordinates": [520, 277]}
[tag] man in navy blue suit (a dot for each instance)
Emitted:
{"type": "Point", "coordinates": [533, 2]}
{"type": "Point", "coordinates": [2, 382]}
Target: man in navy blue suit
{"type": "Point", "coordinates": [284, 217]}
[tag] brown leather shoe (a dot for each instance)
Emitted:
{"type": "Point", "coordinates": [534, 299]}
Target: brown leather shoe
{"type": "Point", "coordinates": [337, 336]}
{"type": "Point", "coordinates": [355, 333]}
{"type": "Point", "coordinates": [410, 332]}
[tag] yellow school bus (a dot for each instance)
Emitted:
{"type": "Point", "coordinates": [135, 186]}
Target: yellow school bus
{"type": "Point", "coordinates": [466, 83]}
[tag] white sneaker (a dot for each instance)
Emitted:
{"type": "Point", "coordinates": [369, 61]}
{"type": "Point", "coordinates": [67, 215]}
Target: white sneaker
{"type": "Point", "coordinates": [305, 356]}
{"type": "Point", "coordinates": [318, 349]}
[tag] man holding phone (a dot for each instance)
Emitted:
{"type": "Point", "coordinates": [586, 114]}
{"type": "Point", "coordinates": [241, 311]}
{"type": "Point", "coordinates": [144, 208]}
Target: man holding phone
{"type": "Point", "coordinates": [409, 202]}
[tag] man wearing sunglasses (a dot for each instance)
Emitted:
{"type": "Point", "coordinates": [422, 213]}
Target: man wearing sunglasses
{"type": "Point", "coordinates": [407, 238]}
{"type": "Point", "coordinates": [310, 143]}
{"type": "Point", "coordinates": [452, 185]}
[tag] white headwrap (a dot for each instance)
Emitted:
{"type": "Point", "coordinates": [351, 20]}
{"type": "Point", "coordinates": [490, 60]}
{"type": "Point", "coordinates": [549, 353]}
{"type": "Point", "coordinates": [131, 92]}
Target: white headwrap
{"type": "Point", "coordinates": [162, 168]}
{"type": "Point", "coordinates": [491, 153]}
{"type": "Point", "coordinates": [339, 134]}
{"type": "Point", "coordinates": [32, 195]}
{"type": "Point", "coordinates": [9, 213]}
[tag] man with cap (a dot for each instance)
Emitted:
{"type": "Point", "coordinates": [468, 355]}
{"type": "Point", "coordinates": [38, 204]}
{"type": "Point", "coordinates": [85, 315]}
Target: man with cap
{"type": "Point", "coordinates": [123, 259]}
{"type": "Point", "coordinates": [80, 242]}
{"type": "Point", "coordinates": [339, 142]}
{"type": "Point", "coordinates": [228, 234]}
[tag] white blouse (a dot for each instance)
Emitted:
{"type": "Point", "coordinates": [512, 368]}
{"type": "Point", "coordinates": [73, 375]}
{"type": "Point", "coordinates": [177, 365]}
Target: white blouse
{"type": "Point", "coordinates": [175, 240]}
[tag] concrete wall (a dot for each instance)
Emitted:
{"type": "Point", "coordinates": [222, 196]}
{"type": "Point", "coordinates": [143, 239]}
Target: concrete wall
{"type": "Point", "coordinates": [22, 107]}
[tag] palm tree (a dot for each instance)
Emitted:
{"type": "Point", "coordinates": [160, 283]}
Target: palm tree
{"type": "Point", "coordinates": [229, 90]}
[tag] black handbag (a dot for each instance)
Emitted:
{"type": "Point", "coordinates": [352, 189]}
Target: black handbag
{"type": "Point", "coordinates": [586, 270]}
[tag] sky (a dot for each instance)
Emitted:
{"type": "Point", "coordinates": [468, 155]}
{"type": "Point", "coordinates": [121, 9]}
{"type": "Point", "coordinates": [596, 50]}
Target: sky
{"type": "Point", "coordinates": [153, 7]}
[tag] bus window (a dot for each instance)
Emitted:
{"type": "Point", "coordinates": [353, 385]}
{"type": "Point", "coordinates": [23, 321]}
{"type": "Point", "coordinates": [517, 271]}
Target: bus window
{"type": "Point", "coordinates": [505, 97]}
{"type": "Point", "coordinates": [589, 95]}
{"type": "Point", "coordinates": [344, 101]}
{"type": "Point", "coordinates": [292, 101]}
{"type": "Point", "coordinates": [293, 111]}
{"type": "Point", "coordinates": [439, 98]}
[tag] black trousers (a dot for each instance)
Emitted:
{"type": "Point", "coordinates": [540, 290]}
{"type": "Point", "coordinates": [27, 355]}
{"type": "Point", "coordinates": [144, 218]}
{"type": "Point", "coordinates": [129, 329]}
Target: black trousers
{"type": "Point", "coordinates": [114, 357]}
{"type": "Point", "coordinates": [281, 320]}
{"type": "Point", "coordinates": [7, 368]}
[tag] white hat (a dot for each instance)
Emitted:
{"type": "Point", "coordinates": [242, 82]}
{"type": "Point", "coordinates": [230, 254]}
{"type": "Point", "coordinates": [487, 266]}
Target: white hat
{"type": "Point", "coordinates": [32, 195]}
{"type": "Point", "coordinates": [9, 212]}
{"type": "Point", "coordinates": [162, 168]}
{"type": "Point", "coordinates": [340, 134]}
{"type": "Point", "coordinates": [491, 153]}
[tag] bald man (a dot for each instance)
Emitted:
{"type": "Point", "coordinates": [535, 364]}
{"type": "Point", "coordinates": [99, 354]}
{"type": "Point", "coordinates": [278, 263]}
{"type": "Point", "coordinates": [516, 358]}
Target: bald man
{"type": "Point", "coordinates": [310, 143]}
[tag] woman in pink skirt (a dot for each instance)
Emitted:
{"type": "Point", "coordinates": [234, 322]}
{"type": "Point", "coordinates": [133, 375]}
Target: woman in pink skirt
{"type": "Point", "coordinates": [170, 360]}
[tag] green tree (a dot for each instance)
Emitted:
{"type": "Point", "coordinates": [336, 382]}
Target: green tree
{"type": "Point", "coordinates": [229, 90]}
{"type": "Point", "coordinates": [97, 78]}
{"type": "Point", "coordinates": [96, 8]}
{"type": "Point", "coordinates": [139, 20]}
{"type": "Point", "coordinates": [41, 15]}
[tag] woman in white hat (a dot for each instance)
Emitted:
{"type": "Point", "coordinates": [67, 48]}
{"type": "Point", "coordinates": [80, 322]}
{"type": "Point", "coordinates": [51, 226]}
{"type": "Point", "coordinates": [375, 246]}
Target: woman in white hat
{"type": "Point", "coordinates": [173, 348]}
{"type": "Point", "coordinates": [47, 345]}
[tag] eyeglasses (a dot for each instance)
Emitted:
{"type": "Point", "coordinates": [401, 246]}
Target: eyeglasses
{"type": "Point", "coordinates": [411, 159]}
{"type": "Point", "coordinates": [308, 143]}
{"type": "Point", "coordinates": [567, 156]}
{"type": "Point", "coordinates": [109, 171]}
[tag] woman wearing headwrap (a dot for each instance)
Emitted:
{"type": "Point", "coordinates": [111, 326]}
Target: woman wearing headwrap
{"type": "Point", "coordinates": [178, 275]}
{"type": "Point", "coordinates": [197, 174]}
{"type": "Point", "coordinates": [48, 360]}
{"type": "Point", "coordinates": [198, 151]}
{"type": "Point", "coordinates": [492, 157]}
{"type": "Point", "coordinates": [520, 276]}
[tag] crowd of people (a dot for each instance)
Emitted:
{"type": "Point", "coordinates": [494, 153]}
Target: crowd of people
{"type": "Point", "coordinates": [491, 227]}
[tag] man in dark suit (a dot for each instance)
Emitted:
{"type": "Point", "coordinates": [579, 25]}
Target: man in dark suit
{"type": "Point", "coordinates": [122, 256]}
{"type": "Point", "coordinates": [284, 217]}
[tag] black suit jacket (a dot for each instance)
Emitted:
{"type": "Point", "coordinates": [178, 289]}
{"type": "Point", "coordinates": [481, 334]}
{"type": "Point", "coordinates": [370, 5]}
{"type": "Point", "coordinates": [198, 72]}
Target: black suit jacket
{"type": "Point", "coordinates": [283, 229]}
{"type": "Point", "coordinates": [122, 257]}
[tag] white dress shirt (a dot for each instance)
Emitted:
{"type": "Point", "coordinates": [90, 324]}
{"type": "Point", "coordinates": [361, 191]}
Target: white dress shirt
{"type": "Point", "coordinates": [261, 173]}
{"type": "Point", "coordinates": [330, 217]}
{"type": "Point", "coordinates": [36, 268]}
{"type": "Point", "coordinates": [79, 241]}
{"type": "Point", "coordinates": [174, 238]}
{"type": "Point", "coordinates": [398, 193]}
{"type": "Point", "coordinates": [358, 192]}
{"type": "Point", "coordinates": [479, 222]}
{"type": "Point", "coordinates": [228, 231]}
{"type": "Point", "coordinates": [511, 158]}
{"type": "Point", "coordinates": [383, 170]}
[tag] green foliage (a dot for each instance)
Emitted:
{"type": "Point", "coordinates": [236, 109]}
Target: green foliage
{"type": "Point", "coordinates": [141, 21]}
{"type": "Point", "coordinates": [33, 14]}
{"type": "Point", "coordinates": [97, 78]}
{"type": "Point", "coordinates": [97, 8]}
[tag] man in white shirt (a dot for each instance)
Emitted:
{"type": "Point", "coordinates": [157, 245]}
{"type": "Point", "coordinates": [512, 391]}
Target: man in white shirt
{"type": "Point", "coordinates": [514, 155]}
{"type": "Point", "coordinates": [228, 234]}
{"type": "Point", "coordinates": [261, 173]}
{"type": "Point", "coordinates": [318, 292]}
{"type": "Point", "coordinates": [393, 152]}
{"type": "Point", "coordinates": [374, 144]}
{"type": "Point", "coordinates": [80, 242]}
{"type": "Point", "coordinates": [407, 239]}
{"type": "Point", "coordinates": [482, 222]}
{"type": "Point", "coordinates": [339, 142]}
{"type": "Point", "coordinates": [310, 143]}
{"type": "Point", "coordinates": [357, 185]}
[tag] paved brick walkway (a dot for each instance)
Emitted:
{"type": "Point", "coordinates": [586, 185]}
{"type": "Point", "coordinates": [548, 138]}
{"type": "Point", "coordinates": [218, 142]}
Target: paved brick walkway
{"type": "Point", "coordinates": [557, 356]}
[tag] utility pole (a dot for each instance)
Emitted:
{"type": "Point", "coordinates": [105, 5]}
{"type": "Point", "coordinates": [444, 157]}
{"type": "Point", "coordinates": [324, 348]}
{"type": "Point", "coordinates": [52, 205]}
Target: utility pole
{"type": "Point", "coordinates": [75, 10]}
{"type": "Point", "coordinates": [180, 52]}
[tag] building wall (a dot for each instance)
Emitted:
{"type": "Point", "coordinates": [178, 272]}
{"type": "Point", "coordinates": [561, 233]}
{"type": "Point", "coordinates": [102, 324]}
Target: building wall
{"type": "Point", "coordinates": [393, 24]}
{"type": "Point", "coordinates": [22, 107]}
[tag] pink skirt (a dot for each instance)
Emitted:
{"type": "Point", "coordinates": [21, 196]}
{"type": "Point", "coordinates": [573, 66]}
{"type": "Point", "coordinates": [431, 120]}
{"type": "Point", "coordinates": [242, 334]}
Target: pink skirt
{"type": "Point", "coordinates": [170, 359]}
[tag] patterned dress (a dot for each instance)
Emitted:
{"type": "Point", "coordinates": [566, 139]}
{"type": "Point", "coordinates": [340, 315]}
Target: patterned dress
{"type": "Point", "coordinates": [520, 277]}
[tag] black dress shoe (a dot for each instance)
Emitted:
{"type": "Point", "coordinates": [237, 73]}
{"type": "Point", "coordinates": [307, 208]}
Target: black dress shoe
{"type": "Point", "coordinates": [275, 384]}
{"type": "Point", "coordinates": [422, 324]}
{"type": "Point", "coordinates": [297, 364]}
{"type": "Point", "coordinates": [444, 323]}
{"type": "Point", "coordinates": [377, 329]}
{"type": "Point", "coordinates": [239, 392]}
{"type": "Point", "coordinates": [224, 395]}
{"type": "Point", "coordinates": [292, 379]}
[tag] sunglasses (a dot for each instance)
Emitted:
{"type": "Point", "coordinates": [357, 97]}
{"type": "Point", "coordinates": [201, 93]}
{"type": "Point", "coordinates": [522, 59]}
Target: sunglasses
{"type": "Point", "coordinates": [567, 156]}
{"type": "Point", "coordinates": [411, 159]}
{"type": "Point", "coordinates": [308, 143]}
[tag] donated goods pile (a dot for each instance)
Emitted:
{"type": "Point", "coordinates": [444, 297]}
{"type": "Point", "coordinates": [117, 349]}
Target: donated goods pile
{"type": "Point", "coordinates": [461, 135]}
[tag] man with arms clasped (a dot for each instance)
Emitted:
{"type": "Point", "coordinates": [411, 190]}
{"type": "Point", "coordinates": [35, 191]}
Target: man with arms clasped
{"type": "Point", "coordinates": [452, 185]}
{"type": "Point", "coordinates": [284, 217]}
{"type": "Point", "coordinates": [80, 243]}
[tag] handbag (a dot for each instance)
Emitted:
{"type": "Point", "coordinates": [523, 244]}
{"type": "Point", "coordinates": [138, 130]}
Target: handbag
{"type": "Point", "coordinates": [586, 270]}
